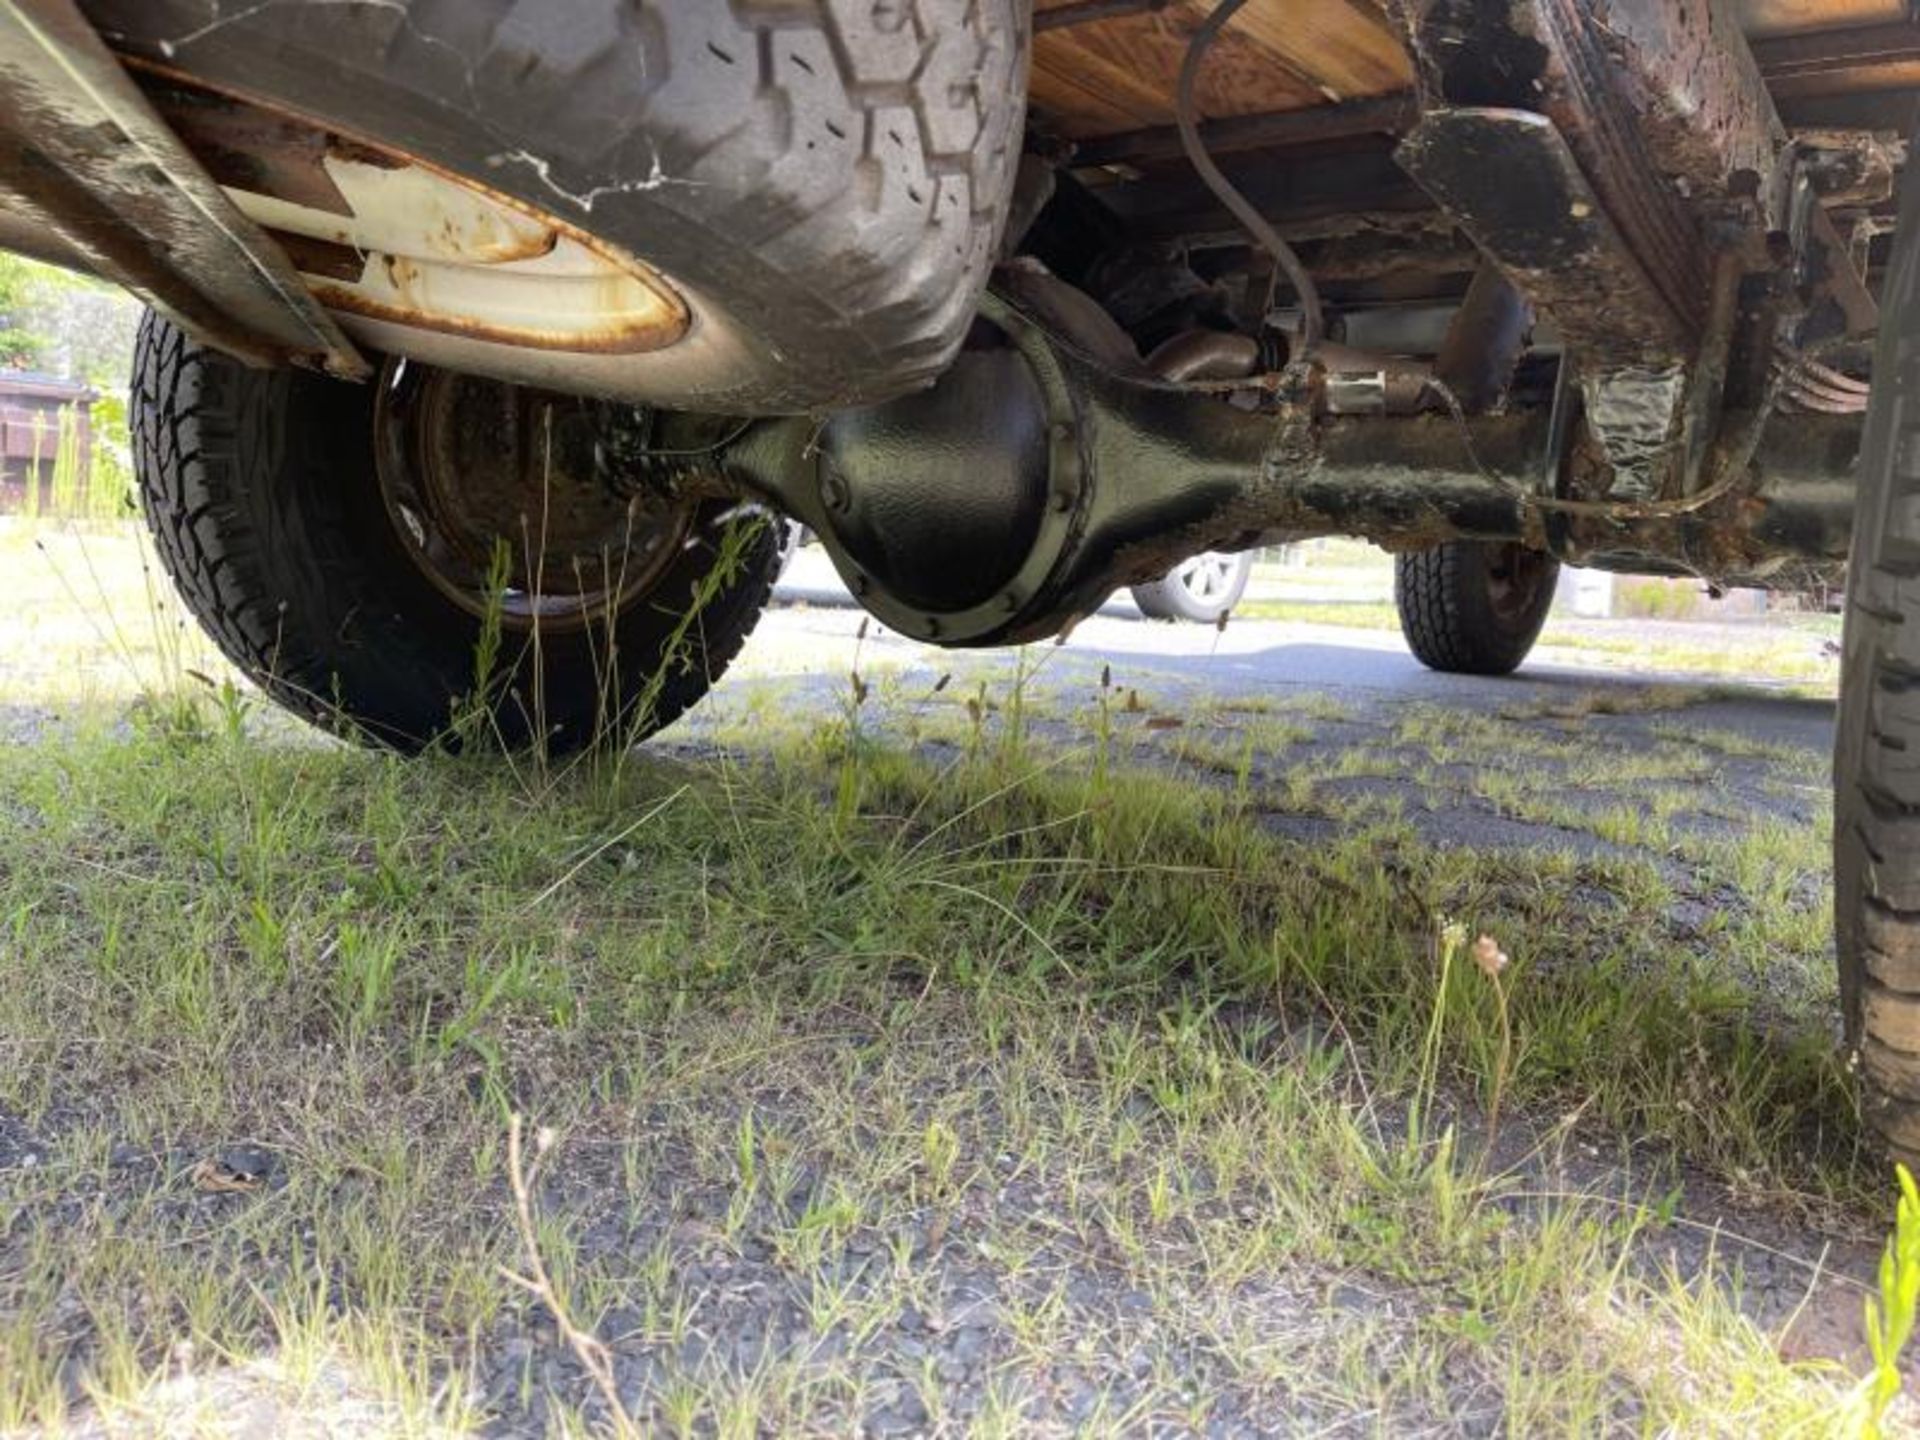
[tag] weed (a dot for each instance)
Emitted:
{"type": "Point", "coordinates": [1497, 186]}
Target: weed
{"type": "Point", "coordinates": [1889, 1321]}
{"type": "Point", "coordinates": [472, 726]}
{"type": "Point", "coordinates": [365, 963]}
{"type": "Point", "coordinates": [1449, 938]}
{"type": "Point", "coordinates": [538, 1280]}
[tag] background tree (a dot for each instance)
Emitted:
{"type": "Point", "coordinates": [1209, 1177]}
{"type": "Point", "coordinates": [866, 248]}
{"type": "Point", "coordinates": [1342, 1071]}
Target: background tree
{"type": "Point", "coordinates": [21, 345]}
{"type": "Point", "coordinates": [82, 329]}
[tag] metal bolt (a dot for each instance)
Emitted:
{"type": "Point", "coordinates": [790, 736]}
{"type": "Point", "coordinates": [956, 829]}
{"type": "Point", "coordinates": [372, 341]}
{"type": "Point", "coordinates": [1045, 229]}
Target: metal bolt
{"type": "Point", "coordinates": [833, 490]}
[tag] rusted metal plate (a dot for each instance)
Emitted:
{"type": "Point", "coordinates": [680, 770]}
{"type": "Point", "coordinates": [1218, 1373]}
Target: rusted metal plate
{"type": "Point", "coordinates": [1679, 75]}
{"type": "Point", "coordinates": [248, 147]}
{"type": "Point", "coordinates": [83, 153]}
{"type": "Point", "coordinates": [1658, 100]}
{"type": "Point", "coordinates": [1510, 180]}
{"type": "Point", "coordinates": [572, 298]}
{"type": "Point", "coordinates": [1641, 190]}
{"type": "Point", "coordinates": [1649, 385]}
{"type": "Point", "coordinates": [380, 235]}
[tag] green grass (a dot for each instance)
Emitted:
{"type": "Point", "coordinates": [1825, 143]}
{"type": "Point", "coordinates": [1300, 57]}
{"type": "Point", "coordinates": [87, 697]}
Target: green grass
{"type": "Point", "coordinates": [90, 618]}
{"type": "Point", "coordinates": [856, 1008]}
{"type": "Point", "coordinates": [1353, 614]}
{"type": "Point", "coordinates": [366, 964]}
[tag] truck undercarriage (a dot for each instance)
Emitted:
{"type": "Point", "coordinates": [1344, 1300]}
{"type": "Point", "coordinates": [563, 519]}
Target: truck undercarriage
{"type": "Point", "coordinates": [1567, 271]}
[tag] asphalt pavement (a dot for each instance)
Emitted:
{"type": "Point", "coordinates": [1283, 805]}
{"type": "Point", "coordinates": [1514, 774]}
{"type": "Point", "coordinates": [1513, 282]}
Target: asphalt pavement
{"type": "Point", "coordinates": [1371, 672]}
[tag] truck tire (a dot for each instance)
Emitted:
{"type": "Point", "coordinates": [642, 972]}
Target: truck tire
{"type": "Point", "coordinates": [267, 496]}
{"type": "Point", "coordinates": [1876, 768]}
{"type": "Point", "coordinates": [1470, 608]}
{"type": "Point", "coordinates": [1203, 589]}
{"type": "Point", "coordinates": [824, 183]}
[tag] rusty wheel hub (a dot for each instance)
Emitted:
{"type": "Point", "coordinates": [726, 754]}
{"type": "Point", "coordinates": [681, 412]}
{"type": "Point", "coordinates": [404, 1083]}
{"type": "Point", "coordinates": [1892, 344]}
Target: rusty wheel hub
{"type": "Point", "coordinates": [510, 497]}
{"type": "Point", "coordinates": [1514, 577]}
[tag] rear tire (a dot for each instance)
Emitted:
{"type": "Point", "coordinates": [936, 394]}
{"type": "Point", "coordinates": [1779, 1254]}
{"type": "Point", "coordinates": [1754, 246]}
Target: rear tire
{"type": "Point", "coordinates": [1876, 823]}
{"type": "Point", "coordinates": [1470, 608]}
{"type": "Point", "coordinates": [264, 496]}
{"type": "Point", "coordinates": [824, 184]}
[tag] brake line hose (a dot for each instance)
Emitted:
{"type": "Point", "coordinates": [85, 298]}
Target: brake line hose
{"type": "Point", "coordinates": [1312, 325]}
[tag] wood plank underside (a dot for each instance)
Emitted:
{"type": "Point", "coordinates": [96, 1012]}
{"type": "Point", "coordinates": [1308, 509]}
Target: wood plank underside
{"type": "Point", "coordinates": [1118, 74]}
{"type": "Point", "coordinates": [1788, 17]}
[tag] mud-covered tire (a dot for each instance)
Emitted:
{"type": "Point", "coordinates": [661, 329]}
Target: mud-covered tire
{"type": "Point", "coordinates": [1876, 822]}
{"type": "Point", "coordinates": [825, 182]}
{"type": "Point", "coordinates": [1469, 608]}
{"type": "Point", "coordinates": [262, 493]}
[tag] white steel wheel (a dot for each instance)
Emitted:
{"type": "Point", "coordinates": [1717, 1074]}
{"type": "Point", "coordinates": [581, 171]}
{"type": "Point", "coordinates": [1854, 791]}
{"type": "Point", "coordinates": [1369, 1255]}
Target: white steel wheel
{"type": "Point", "coordinates": [1202, 588]}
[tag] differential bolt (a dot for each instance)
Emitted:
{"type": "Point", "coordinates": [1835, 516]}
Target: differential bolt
{"type": "Point", "coordinates": [833, 490]}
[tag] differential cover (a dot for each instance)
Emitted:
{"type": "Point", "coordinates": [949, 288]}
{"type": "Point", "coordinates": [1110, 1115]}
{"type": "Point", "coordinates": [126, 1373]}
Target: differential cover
{"type": "Point", "coordinates": [937, 498]}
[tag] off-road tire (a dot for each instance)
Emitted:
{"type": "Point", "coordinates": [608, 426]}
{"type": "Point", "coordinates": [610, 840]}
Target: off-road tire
{"type": "Point", "coordinates": [825, 181]}
{"type": "Point", "coordinates": [1447, 611]}
{"type": "Point", "coordinates": [261, 490]}
{"type": "Point", "coordinates": [1876, 768]}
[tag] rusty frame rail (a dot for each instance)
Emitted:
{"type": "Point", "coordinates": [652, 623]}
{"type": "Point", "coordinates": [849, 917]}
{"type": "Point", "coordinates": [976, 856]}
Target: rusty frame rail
{"type": "Point", "coordinates": [84, 156]}
{"type": "Point", "coordinates": [1666, 225]}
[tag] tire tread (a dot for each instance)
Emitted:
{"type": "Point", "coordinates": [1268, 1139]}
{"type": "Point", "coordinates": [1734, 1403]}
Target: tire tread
{"type": "Point", "coordinates": [1877, 741]}
{"type": "Point", "coordinates": [1441, 597]}
{"type": "Point", "coordinates": [288, 602]}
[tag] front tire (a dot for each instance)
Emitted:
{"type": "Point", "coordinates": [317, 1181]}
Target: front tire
{"type": "Point", "coordinates": [1471, 608]}
{"type": "Point", "coordinates": [267, 496]}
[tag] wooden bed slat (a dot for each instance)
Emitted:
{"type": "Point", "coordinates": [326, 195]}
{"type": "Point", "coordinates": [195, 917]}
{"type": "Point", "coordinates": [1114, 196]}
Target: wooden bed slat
{"type": "Point", "coordinates": [1117, 74]}
{"type": "Point", "coordinates": [1786, 17]}
{"type": "Point", "coordinates": [1120, 73]}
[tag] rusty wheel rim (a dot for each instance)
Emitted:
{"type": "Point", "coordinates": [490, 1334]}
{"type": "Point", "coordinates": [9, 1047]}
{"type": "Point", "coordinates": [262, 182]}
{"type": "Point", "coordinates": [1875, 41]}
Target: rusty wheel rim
{"type": "Point", "coordinates": [514, 502]}
{"type": "Point", "coordinates": [1514, 577]}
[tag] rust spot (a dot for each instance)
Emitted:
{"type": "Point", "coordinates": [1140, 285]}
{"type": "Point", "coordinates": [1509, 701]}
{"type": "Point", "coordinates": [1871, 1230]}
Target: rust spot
{"type": "Point", "coordinates": [631, 340]}
{"type": "Point", "coordinates": [320, 257]}
{"type": "Point", "coordinates": [364, 154]}
{"type": "Point", "coordinates": [254, 121]}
